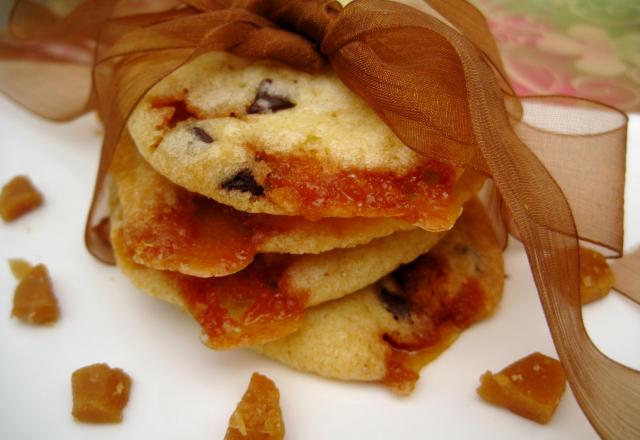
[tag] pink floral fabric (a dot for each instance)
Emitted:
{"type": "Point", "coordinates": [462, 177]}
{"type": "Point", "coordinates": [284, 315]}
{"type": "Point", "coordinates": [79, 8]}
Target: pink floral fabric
{"type": "Point", "coordinates": [586, 48]}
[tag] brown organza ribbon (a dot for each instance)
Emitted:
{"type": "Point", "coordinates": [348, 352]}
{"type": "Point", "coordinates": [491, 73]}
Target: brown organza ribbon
{"type": "Point", "coordinates": [436, 79]}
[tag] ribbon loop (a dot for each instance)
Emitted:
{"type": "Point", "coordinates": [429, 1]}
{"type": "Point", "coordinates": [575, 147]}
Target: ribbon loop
{"type": "Point", "coordinates": [417, 88]}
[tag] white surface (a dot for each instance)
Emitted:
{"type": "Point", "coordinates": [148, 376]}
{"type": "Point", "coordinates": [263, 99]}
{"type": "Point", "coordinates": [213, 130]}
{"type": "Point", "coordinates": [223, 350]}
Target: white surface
{"type": "Point", "coordinates": [182, 389]}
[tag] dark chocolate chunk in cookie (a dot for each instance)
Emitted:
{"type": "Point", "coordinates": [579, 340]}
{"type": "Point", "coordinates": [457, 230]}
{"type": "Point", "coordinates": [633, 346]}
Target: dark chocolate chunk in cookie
{"type": "Point", "coordinates": [397, 305]}
{"type": "Point", "coordinates": [202, 135]}
{"type": "Point", "coordinates": [268, 102]}
{"type": "Point", "coordinates": [471, 253]}
{"type": "Point", "coordinates": [245, 182]}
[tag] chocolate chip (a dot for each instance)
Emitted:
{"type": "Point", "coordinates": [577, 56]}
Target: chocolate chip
{"type": "Point", "coordinates": [399, 276]}
{"type": "Point", "coordinates": [397, 305]}
{"type": "Point", "coordinates": [202, 135]}
{"type": "Point", "coordinates": [271, 282]}
{"type": "Point", "coordinates": [245, 182]}
{"type": "Point", "coordinates": [268, 102]}
{"type": "Point", "coordinates": [431, 178]}
{"type": "Point", "coordinates": [470, 251]}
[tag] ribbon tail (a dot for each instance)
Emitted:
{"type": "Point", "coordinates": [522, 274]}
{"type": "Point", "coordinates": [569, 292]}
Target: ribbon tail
{"type": "Point", "coordinates": [627, 276]}
{"type": "Point", "coordinates": [464, 121]}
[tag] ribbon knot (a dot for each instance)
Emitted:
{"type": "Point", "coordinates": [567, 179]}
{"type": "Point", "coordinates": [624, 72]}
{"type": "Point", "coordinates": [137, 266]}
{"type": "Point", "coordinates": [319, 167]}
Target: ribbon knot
{"type": "Point", "coordinates": [310, 18]}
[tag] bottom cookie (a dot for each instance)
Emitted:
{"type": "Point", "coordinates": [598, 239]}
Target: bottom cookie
{"type": "Point", "coordinates": [388, 331]}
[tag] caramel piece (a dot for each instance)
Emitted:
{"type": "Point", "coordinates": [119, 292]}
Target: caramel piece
{"type": "Point", "coordinates": [18, 197]}
{"type": "Point", "coordinates": [531, 387]}
{"type": "Point", "coordinates": [19, 268]}
{"type": "Point", "coordinates": [33, 300]}
{"type": "Point", "coordinates": [258, 414]}
{"type": "Point", "coordinates": [596, 279]}
{"type": "Point", "coordinates": [100, 393]}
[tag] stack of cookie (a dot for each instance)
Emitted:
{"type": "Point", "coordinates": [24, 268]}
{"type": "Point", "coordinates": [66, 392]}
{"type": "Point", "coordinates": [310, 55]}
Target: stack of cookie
{"type": "Point", "coordinates": [282, 214]}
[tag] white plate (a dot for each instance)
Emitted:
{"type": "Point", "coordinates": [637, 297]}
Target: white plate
{"type": "Point", "coordinates": [182, 389]}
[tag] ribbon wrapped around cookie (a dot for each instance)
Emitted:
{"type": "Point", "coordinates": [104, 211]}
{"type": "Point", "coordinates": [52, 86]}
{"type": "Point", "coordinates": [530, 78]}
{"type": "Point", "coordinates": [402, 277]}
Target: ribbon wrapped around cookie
{"type": "Point", "coordinates": [436, 79]}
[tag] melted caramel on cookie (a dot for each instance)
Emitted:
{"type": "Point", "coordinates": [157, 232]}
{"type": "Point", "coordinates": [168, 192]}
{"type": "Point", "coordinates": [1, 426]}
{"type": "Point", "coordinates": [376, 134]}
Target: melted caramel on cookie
{"type": "Point", "coordinates": [425, 192]}
{"type": "Point", "coordinates": [403, 367]}
{"type": "Point", "coordinates": [193, 231]}
{"type": "Point", "coordinates": [180, 110]}
{"type": "Point", "coordinates": [437, 318]}
{"type": "Point", "coordinates": [253, 306]}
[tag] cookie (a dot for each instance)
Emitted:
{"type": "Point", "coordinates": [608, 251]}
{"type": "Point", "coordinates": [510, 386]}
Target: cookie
{"type": "Point", "coordinates": [266, 300]}
{"type": "Point", "coordinates": [166, 227]}
{"type": "Point", "coordinates": [264, 138]}
{"type": "Point", "coordinates": [388, 331]}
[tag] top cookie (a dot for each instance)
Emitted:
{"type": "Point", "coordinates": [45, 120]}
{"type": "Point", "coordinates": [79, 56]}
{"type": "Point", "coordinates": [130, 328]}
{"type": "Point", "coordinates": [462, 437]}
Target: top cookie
{"type": "Point", "coordinates": [262, 137]}
{"type": "Point", "coordinates": [166, 227]}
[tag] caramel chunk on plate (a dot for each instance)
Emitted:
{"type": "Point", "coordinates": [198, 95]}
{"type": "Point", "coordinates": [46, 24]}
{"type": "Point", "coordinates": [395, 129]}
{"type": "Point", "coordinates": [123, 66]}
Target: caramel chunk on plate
{"type": "Point", "coordinates": [596, 278]}
{"type": "Point", "coordinates": [531, 387]}
{"type": "Point", "coordinates": [258, 414]}
{"type": "Point", "coordinates": [18, 197]}
{"type": "Point", "coordinates": [33, 301]}
{"type": "Point", "coordinates": [100, 393]}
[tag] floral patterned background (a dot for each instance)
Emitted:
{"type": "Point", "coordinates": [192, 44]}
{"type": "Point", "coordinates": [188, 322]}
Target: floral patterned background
{"type": "Point", "coordinates": [587, 48]}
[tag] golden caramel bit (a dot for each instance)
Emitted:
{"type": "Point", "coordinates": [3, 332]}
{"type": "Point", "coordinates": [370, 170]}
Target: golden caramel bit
{"type": "Point", "coordinates": [100, 393]}
{"type": "Point", "coordinates": [19, 268]}
{"type": "Point", "coordinates": [531, 387]}
{"type": "Point", "coordinates": [258, 415]}
{"type": "Point", "coordinates": [33, 300]}
{"type": "Point", "coordinates": [596, 278]}
{"type": "Point", "coordinates": [18, 197]}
